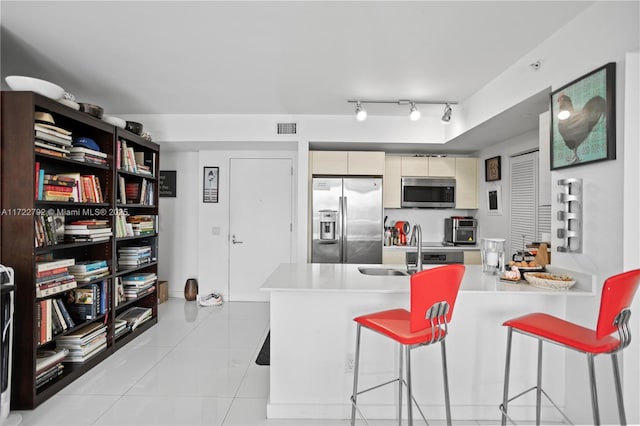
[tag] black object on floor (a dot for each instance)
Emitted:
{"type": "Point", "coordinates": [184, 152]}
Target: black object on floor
{"type": "Point", "coordinates": [264, 357]}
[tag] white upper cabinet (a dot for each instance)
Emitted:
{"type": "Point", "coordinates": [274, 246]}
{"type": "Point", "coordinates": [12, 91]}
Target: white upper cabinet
{"type": "Point", "coordinates": [391, 183]}
{"type": "Point", "coordinates": [442, 166]}
{"type": "Point", "coordinates": [415, 166]}
{"type": "Point", "coordinates": [466, 183]}
{"type": "Point", "coordinates": [347, 162]}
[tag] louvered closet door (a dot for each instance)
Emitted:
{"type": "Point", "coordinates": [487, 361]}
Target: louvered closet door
{"type": "Point", "coordinates": [524, 200]}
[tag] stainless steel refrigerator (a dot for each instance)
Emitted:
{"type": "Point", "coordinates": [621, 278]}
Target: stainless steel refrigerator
{"type": "Point", "coordinates": [347, 220]}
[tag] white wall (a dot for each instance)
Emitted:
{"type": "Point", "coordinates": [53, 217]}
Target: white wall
{"type": "Point", "coordinates": [491, 226]}
{"type": "Point", "coordinates": [178, 236]}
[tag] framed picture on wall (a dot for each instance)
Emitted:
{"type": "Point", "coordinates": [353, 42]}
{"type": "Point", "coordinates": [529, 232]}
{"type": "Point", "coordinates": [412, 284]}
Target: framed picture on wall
{"type": "Point", "coordinates": [494, 200]}
{"type": "Point", "coordinates": [583, 122]}
{"type": "Point", "coordinates": [492, 169]}
{"type": "Point", "coordinates": [210, 185]}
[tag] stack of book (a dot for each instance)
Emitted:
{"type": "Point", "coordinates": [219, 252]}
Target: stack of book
{"type": "Point", "coordinates": [89, 270]}
{"type": "Point", "coordinates": [53, 277]}
{"type": "Point", "coordinates": [84, 188]}
{"type": "Point", "coordinates": [86, 155]}
{"type": "Point", "coordinates": [120, 328]}
{"type": "Point", "coordinates": [50, 187]}
{"type": "Point", "coordinates": [87, 230]}
{"type": "Point", "coordinates": [52, 142]}
{"type": "Point", "coordinates": [135, 316]}
{"type": "Point", "coordinates": [123, 227]}
{"type": "Point", "coordinates": [49, 229]}
{"type": "Point", "coordinates": [87, 303]}
{"type": "Point", "coordinates": [142, 224]}
{"type": "Point", "coordinates": [84, 343]}
{"type": "Point", "coordinates": [52, 318]}
{"type": "Point", "coordinates": [137, 285]}
{"type": "Point", "coordinates": [129, 257]}
{"type": "Point", "coordinates": [49, 365]}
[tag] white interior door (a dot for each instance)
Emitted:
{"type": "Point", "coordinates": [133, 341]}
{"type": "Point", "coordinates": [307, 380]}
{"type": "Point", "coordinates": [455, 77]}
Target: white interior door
{"type": "Point", "coordinates": [260, 223]}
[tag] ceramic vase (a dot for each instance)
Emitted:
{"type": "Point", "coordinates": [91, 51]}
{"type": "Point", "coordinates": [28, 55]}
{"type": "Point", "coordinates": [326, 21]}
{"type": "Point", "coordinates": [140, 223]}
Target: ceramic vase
{"type": "Point", "coordinates": [191, 289]}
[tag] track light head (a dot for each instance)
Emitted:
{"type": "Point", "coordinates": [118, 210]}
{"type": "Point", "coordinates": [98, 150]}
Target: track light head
{"type": "Point", "coordinates": [414, 114]}
{"type": "Point", "coordinates": [446, 115]}
{"type": "Point", "coordinates": [361, 113]}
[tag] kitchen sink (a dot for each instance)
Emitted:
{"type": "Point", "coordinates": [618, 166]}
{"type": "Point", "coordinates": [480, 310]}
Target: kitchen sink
{"type": "Point", "coordinates": [382, 271]}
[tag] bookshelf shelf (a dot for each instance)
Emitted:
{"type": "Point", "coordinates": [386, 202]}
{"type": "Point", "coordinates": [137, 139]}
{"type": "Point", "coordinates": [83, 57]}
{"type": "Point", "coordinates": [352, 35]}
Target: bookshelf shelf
{"type": "Point", "coordinates": [28, 241]}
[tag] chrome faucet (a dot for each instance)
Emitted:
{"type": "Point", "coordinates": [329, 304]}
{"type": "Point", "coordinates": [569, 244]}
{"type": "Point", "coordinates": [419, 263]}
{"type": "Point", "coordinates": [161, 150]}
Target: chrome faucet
{"type": "Point", "coordinates": [416, 238]}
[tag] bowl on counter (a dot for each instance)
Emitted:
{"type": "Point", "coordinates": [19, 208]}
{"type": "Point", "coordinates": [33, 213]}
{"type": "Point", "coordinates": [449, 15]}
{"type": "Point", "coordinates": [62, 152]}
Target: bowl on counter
{"type": "Point", "coordinates": [30, 84]}
{"type": "Point", "coordinates": [134, 127]}
{"type": "Point", "coordinates": [91, 109]}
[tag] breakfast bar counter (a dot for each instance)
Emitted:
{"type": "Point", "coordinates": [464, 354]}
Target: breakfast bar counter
{"type": "Point", "coordinates": [313, 342]}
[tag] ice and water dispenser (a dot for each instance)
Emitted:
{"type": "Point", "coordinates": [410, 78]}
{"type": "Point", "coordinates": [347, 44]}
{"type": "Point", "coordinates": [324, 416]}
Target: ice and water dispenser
{"type": "Point", "coordinates": [328, 219]}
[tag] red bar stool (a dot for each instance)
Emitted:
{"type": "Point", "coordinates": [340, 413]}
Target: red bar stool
{"type": "Point", "coordinates": [617, 296]}
{"type": "Point", "coordinates": [433, 295]}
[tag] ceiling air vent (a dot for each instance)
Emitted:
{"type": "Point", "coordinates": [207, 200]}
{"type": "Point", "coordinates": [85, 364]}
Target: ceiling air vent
{"type": "Point", "coordinates": [287, 128]}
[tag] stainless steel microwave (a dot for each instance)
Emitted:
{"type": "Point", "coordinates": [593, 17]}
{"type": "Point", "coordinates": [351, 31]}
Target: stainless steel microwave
{"type": "Point", "coordinates": [428, 192]}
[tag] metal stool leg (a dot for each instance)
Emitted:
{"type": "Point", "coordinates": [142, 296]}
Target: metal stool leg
{"type": "Point", "coordinates": [354, 396]}
{"type": "Point", "coordinates": [445, 377]}
{"type": "Point", "coordinates": [594, 391]}
{"type": "Point", "coordinates": [539, 384]}
{"type": "Point", "coordinates": [507, 366]}
{"type": "Point", "coordinates": [409, 391]}
{"type": "Point", "coordinates": [400, 379]}
{"type": "Point", "coordinates": [616, 376]}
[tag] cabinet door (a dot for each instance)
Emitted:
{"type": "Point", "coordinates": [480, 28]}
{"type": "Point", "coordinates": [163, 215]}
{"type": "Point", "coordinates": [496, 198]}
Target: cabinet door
{"type": "Point", "coordinates": [329, 163]}
{"type": "Point", "coordinates": [415, 166]}
{"type": "Point", "coordinates": [441, 166]}
{"type": "Point", "coordinates": [472, 257]}
{"type": "Point", "coordinates": [393, 257]}
{"type": "Point", "coordinates": [365, 163]}
{"type": "Point", "coordinates": [391, 182]}
{"type": "Point", "coordinates": [466, 183]}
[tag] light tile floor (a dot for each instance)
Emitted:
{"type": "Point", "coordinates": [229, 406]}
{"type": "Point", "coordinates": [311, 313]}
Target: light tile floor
{"type": "Point", "coordinates": [195, 367]}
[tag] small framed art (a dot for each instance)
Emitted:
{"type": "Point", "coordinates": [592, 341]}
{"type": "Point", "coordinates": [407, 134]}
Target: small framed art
{"type": "Point", "coordinates": [210, 185]}
{"type": "Point", "coordinates": [494, 200]}
{"type": "Point", "coordinates": [493, 169]}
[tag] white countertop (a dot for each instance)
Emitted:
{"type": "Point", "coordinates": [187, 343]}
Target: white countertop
{"type": "Point", "coordinates": [329, 277]}
{"type": "Point", "coordinates": [435, 248]}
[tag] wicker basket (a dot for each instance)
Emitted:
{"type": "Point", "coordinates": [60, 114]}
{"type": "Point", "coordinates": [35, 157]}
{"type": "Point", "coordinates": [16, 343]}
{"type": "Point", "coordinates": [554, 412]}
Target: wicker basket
{"type": "Point", "coordinates": [549, 281]}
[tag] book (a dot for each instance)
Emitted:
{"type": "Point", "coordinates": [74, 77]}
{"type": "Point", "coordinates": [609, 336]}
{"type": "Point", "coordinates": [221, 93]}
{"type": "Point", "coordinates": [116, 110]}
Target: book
{"type": "Point", "coordinates": [46, 358]}
{"type": "Point", "coordinates": [48, 146]}
{"type": "Point", "coordinates": [83, 150]}
{"type": "Point", "coordinates": [65, 313]}
{"type": "Point", "coordinates": [77, 188]}
{"type": "Point", "coordinates": [54, 264]}
{"type": "Point", "coordinates": [62, 133]}
{"type": "Point", "coordinates": [82, 335]}
{"type": "Point", "coordinates": [49, 375]}
{"type": "Point", "coordinates": [135, 316]}
{"type": "Point", "coordinates": [50, 291]}
{"type": "Point", "coordinates": [87, 265]}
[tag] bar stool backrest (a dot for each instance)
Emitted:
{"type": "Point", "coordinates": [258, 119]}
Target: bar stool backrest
{"type": "Point", "coordinates": [433, 294]}
{"type": "Point", "coordinates": [617, 296]}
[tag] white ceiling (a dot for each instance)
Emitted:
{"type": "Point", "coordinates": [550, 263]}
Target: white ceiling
{"type": "Point", "coordinates": [271, 57]}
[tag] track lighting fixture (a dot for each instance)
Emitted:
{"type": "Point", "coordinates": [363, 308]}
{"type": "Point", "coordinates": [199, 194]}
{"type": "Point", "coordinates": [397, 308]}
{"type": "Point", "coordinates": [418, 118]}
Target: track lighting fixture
{"type": "Point", "coordinates": [361, 113]}
{"type": "Point", "coordinates": [446, 116]}
{"type": "Point", "coordinates": [414, 113]}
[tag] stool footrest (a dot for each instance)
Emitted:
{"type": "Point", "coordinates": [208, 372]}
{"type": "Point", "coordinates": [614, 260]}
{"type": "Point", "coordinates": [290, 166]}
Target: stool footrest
{"type": "Point", "coordinates": [353, 403]}
{"type": "Point", "coordinates": [504, 411]}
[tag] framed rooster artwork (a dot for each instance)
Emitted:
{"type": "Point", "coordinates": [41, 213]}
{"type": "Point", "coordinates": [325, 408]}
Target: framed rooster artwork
{"type": "Point", "coordinates": [583, 122]}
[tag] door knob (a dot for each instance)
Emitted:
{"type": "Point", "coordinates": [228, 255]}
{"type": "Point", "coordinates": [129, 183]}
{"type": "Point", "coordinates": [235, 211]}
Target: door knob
{"type": "Point", "coordinates": [234, 241]}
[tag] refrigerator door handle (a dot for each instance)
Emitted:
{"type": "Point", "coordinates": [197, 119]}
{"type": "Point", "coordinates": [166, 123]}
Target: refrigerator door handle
{"type": "Point", "coordinates": [344, 230]}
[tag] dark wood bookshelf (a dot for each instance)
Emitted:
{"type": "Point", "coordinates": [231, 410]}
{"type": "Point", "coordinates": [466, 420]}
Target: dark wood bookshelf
{"type": "Point", "coordinates": [17, 242]}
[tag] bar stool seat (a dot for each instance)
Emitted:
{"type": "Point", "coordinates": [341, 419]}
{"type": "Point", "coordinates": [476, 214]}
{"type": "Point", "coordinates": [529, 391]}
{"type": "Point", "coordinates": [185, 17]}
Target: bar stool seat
{"type": "Point", "coordinates": [564, 332]}
{"type": "Point", "coordinates": [616, 298]}
{"type": "Point", "coordinates": [433, 294]}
